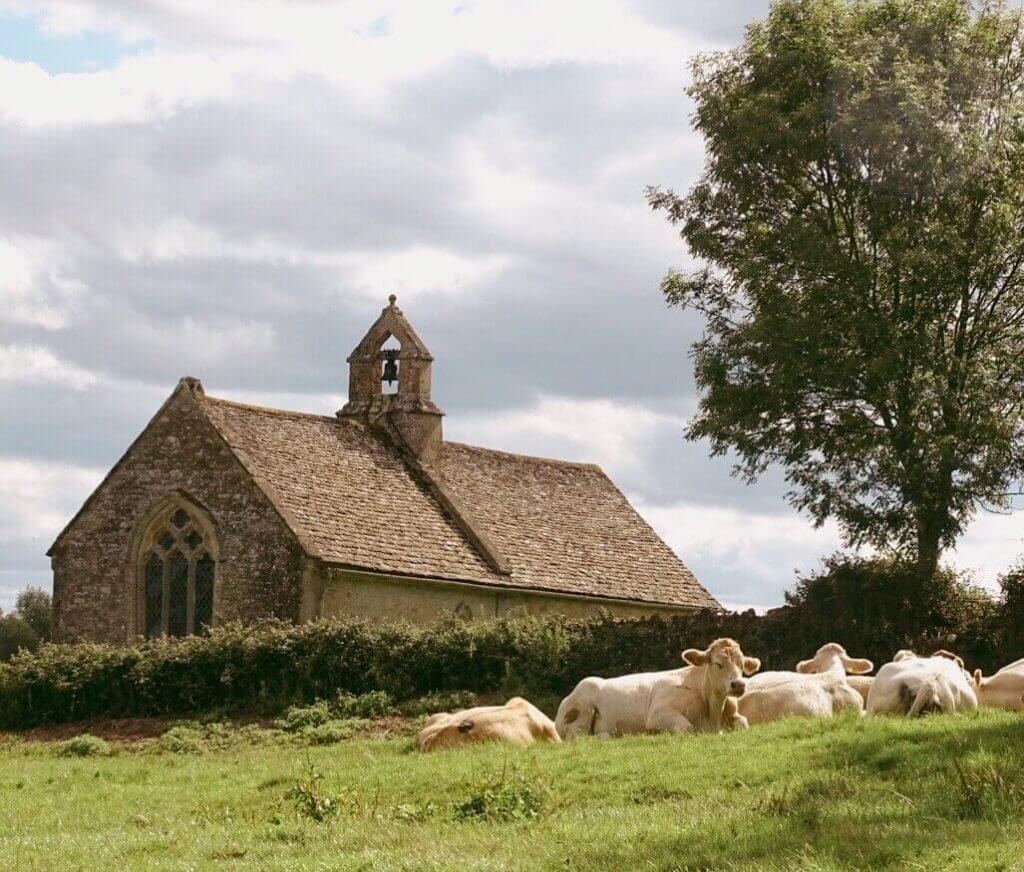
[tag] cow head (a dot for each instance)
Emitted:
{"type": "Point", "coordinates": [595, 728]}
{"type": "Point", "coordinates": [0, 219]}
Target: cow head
{"type": "Point", "coordinates": [949, 655]}
{"type": "Point", "coordinates": [833, 658]}
{"type": "Point", "coordinates": [725, 665]}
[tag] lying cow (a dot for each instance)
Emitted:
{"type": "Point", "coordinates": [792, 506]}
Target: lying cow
{"type": "Point", "coordinates": [517, 722]}
{"type": "Point", "coordinates": [690, 699]}
{"type": "Point", "coordinates": [913, 685]}
{"type": "Point", "coordinates": [1003, 690]}
{"type": "Point", "coordinates": [833, 658]}
{"type": "Point", "coordinates": [818, 689]}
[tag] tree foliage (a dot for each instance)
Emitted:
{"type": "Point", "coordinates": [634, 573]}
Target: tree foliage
{"type": "Point", "coordinates": [861, 222]}
{"type": "Point", "coordinates": [28, 625]}
{"type": "Point", "coordinates": [34, 606]}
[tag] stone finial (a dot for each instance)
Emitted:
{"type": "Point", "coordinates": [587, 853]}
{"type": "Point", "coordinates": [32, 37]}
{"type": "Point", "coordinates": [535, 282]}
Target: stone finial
{"type": "Point", "coordinates": [392, 299]}
{"type": "Point", "coordinates": [193, 384]}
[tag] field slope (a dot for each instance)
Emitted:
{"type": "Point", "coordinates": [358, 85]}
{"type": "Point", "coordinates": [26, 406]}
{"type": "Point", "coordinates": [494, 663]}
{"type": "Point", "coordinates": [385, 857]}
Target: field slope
{"type": "Point", "coordinates": [938, 793]}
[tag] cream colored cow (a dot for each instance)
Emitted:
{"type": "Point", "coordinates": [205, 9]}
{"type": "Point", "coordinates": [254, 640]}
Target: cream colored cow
{"type": "Point", "coordinates": [833, 658]}
{"type": "Point", "coordinates": [913, 685]}
{"type": "Point", "coordinates": [517, 722]}
{"type": "Point", "coordinates": [691, 699]}
{"type": "Point", "coordinates": [1003, 690]}
{"type": "Point", "coordinates": [819, 688]}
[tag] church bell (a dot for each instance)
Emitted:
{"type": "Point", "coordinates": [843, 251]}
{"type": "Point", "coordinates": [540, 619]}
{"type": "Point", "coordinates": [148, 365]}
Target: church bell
{"type": "Point", "coordinates": [390, 366]}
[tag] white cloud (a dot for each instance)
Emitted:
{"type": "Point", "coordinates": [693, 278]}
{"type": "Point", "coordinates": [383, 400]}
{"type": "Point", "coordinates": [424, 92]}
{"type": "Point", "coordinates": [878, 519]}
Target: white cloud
{"type": "Point", "coordinates": [34, 364]}
{"type": "Point", "coordinates": [37, 499]}
{"type": "Point", "coordinates": [990, 546]}
{"type": "Point", "coordinates": [743, 558]}
{"type": "Point", "coordinates": [34, 289]}
{"type": "Point", "coordinates": [611, 434]}
{"type": "Point", "coordinates": [421, 269]}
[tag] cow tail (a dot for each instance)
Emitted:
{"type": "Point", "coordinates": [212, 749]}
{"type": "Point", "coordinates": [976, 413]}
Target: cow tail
{"type": "Point", "coordinates": [927, 699]}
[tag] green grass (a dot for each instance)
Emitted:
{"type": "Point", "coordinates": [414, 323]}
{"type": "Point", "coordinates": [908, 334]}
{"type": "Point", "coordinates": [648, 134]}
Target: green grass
{"type": "Point", "coordinates": [937, 793]}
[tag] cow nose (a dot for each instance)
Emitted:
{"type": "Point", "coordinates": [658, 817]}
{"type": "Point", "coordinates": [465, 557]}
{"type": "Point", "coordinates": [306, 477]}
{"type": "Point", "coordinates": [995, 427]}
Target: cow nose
{"type": "Point", "coordinates": [737, 687]}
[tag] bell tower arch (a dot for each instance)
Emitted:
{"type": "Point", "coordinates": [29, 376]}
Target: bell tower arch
{"type": "Point", "coordinates": [390, 355]}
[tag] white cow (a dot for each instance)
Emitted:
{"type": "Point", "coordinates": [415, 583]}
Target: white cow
{"type": "Point", "coordinates": [690, 699]}
{"type": "Point", "coordinates": [913, 685]}
{"type": "Point", "coordinates": [1003, 690]}
{"type": "Point", "coordinates": [517, 722]}
{"type": "Point", "coordinates": [818, 688]}
{"type": "Point", "coordinates": [834, 655]}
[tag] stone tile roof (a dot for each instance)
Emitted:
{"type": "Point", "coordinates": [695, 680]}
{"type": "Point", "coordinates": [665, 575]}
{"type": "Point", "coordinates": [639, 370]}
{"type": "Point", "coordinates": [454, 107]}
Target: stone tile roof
{"type": "Point", "coordinates": [352, 500]}
{"type": "Point", "coordinates": [566, 527]}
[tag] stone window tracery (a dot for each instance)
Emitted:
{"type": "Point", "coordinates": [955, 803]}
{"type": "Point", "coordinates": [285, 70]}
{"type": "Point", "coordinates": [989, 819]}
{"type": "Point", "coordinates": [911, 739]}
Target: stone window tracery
{"type": "Point", "coordinates": [178, 572]}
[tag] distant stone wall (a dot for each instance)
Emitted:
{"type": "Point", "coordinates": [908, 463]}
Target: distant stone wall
{"type": "Point", "coordinates": [96, 581]}
{"type": "Point", "coordinates": [344, 593]}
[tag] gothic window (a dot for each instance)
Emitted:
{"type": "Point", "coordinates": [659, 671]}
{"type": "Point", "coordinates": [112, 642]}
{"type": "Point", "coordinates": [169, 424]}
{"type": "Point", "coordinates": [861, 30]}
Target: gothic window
{"type": "Point", "coordinates": [177, 573]}
{"type": "Point", "coordinates": [463, 612]}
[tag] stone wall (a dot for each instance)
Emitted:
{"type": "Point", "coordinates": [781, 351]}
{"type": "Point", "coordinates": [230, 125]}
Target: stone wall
{"type": "Point", "coordinates": [344, 593]}
{"type": "Point", "coordinates": [95, 579]}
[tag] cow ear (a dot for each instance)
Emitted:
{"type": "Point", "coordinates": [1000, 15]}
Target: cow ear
{"type": "Point", "coordinates": [750, 665]}
{"type": "Point", "coordinates": [857, 665]}
{"type": "Point", "coordinates": [695, 657]}
{"type": "Point", "coordinates": [805, 666]}
{"type": "Point", "coordinates": [977, 677]}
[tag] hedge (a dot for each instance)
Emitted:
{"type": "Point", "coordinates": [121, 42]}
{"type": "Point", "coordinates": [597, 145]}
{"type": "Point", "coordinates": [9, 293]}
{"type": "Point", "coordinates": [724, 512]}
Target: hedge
{"type": "Point", "coordinates": [869, 606]}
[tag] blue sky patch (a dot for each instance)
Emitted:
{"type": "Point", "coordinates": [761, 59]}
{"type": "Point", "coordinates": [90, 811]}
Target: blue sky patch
{"type": "Point", "coordinates": [23, 39]}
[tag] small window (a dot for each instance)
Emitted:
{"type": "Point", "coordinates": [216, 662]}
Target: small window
{"type": "Point", "coordinates": [463, 612]}
{"type": "Point", "coordinates": [178, 574]}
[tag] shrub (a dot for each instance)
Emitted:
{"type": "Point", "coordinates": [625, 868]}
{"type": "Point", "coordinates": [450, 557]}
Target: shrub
{"type": "Point", "coordinates": [1010, 619]}
{"type": "Point", "coordinates": [301, 717]}
{"type": "Point", "coordinates": [373, 704]}
{"type": "Point", "coordinates": [16, 635]}
{"type": "Point", "coordinates": [874, 607]}
{"type": "Point", "coordinates": [85, 745]}
{"type": "Point", "coordinates": [330, 732]}
{"type": "Point", "coordinates": [446, 701]}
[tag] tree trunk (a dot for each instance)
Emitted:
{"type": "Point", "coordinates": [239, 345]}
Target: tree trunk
{"type": "Point", "coordinates": [928, 550]}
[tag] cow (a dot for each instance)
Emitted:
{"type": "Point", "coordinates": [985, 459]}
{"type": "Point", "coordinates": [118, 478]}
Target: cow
{"type": "Point", "coordinates": [819, 688]}
{"type": "Point", "coordinates": [517, 722]}
{"type": "Point", "coordinates": [690, 699]}
{"type": "Point", "coordinates": [832, 658]}
{"type": "Point", "coordinates": [913, 685]}
{"type": "Point", "coordinates": [834, 655]}
{"type": "Point", "coordinates": [1003, 690]}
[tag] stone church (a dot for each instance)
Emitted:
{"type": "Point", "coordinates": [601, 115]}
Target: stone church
{"type": "Point", "coordinates": [221, 511]}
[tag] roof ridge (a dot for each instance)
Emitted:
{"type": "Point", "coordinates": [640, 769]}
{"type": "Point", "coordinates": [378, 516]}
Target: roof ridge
{"type": "Point", "coordinates": [533, 458]}
{"type": "Point", "coordinates": [268, 410]}
{"type": "Point", "coordinates": [515, 455]}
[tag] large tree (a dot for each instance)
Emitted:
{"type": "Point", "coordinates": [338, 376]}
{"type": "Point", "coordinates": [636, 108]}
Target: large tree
{"type": "Point", "coordinates": [860, 221]}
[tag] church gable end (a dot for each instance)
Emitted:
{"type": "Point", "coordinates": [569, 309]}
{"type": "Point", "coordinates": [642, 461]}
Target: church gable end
{"type": "Point", "coordinates": [177, 536]}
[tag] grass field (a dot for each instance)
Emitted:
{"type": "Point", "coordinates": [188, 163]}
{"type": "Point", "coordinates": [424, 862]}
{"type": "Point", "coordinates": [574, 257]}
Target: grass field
{"type": "Point", "coordinates": [937, 793]}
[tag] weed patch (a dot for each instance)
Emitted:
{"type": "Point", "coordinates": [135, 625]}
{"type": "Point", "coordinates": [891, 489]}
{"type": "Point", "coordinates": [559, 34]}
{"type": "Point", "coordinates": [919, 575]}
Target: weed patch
{"type": "Point", "coordinates": [85, 745]}
{"type": "Point", "coordinates": [514, 795]}
{"type": "Point", "coordinates": [310, 799]}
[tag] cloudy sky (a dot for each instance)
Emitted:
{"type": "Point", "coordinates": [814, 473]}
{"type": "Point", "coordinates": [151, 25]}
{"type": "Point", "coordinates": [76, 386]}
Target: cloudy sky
{"type": "Point", "coordinates": [230, 190]}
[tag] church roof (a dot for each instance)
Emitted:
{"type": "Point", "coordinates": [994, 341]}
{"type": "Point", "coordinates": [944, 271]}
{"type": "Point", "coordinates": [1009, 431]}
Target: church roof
{"type": "Point", "coordinates": [352, 498]}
